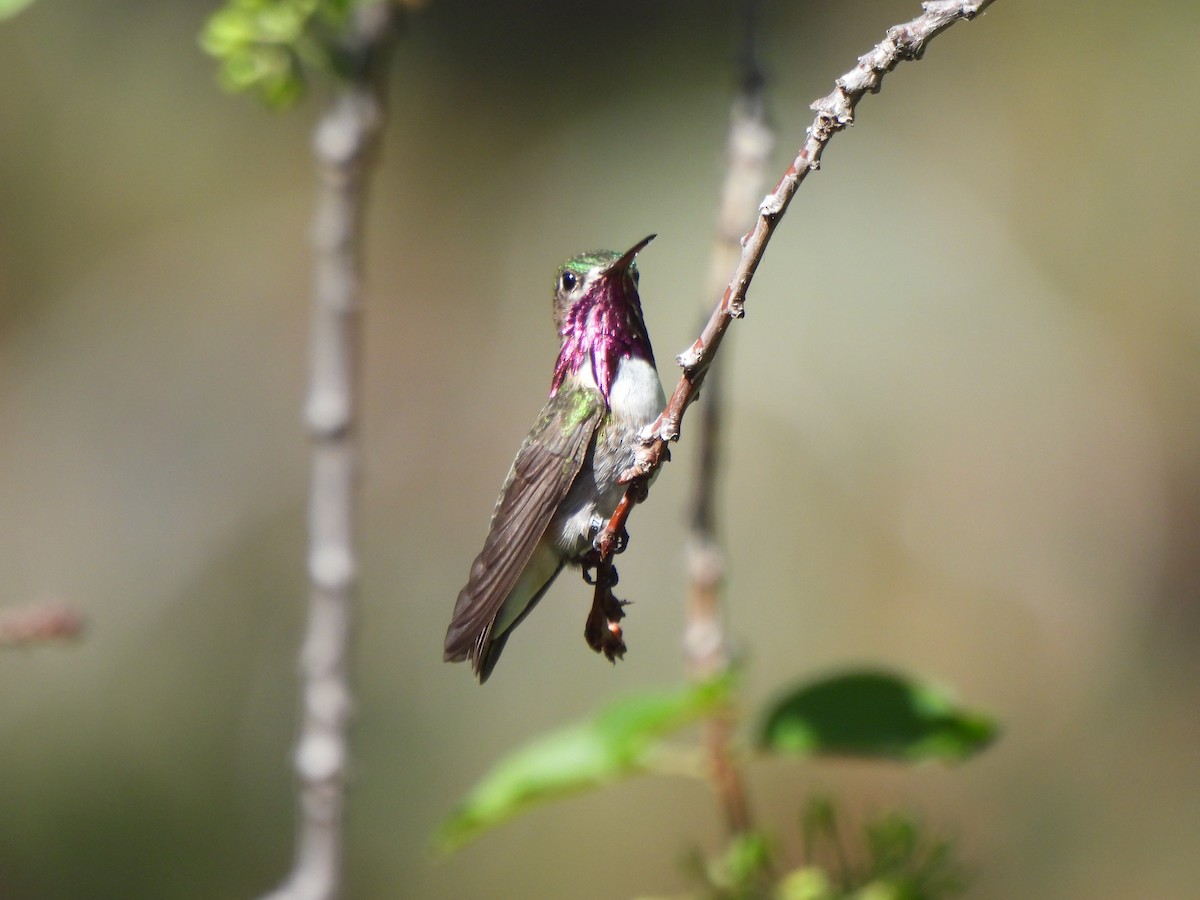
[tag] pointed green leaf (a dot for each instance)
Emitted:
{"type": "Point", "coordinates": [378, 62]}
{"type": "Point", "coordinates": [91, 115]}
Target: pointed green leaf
{"type": "Point", "coordinates": [873, 714]}
{"type": "Point", "coordinates": [616, 743]}
{"type": "Point", "coordinates": [12, 7]}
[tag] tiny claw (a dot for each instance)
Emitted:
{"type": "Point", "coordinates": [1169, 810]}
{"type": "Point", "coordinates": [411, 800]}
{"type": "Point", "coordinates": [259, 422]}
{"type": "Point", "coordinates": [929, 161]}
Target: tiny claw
{"type": "Point", "coordinates": [638, 490]}
{"type": "Point", "coordinates": [602, 630]}
{"type": "Point", "coordinates": [609, 543]}
{"type": "Point", "coordinates": [591, 560]}
{"type": "Point", "coordinates": [604, 543]}
{"type": "Point", "coordinates": [620, 542]}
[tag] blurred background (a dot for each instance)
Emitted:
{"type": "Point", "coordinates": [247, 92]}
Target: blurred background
{"type": "Point", "coordinates": [962, 441]}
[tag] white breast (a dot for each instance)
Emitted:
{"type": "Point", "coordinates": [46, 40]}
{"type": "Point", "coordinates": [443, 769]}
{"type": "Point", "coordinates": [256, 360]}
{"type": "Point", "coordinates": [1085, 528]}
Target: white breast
{"type": "Point", "coordinates": [636, 393]}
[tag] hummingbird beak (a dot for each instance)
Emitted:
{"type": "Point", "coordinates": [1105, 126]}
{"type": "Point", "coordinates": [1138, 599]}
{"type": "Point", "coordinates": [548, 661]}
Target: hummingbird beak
{"type": "Point", "coordinates": [626, 260]}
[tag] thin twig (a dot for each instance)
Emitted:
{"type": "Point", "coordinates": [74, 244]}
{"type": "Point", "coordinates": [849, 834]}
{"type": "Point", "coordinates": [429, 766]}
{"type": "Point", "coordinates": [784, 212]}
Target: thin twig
{"type": "Point", "coordinates": [343, 144]}
{"type": "Point", "coordinates": [38, 623]}
{"type": "Point", "coordinates": [706, 645]}
{"type": "Point", "coordinates": [834, 113]}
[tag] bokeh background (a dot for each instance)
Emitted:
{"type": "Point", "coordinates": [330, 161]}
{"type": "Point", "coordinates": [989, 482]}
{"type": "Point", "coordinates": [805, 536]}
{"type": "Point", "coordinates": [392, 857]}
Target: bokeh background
{"type": "Point", "coordinates": [963, 437]}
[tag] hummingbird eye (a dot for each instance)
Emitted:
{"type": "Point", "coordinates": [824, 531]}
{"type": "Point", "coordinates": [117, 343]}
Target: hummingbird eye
{"type": "Point", "coordinates": [568, 280]}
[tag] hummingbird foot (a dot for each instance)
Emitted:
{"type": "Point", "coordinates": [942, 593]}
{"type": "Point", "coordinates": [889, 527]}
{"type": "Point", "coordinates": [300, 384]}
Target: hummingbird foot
{"type": "Point", "coordinates": [606, 544]}
{"type": "Point", "coordinates": [593, 561]}
{"type": "Point", "coordinates": [638, 490]}
{"type": "Point", "coordinates": [620, 542]}
{"type": "Point", "coordinates": [602, 630]}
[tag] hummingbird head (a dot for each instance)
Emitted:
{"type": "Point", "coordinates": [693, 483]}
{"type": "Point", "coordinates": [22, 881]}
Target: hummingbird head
{"type": "Point", "coordinates": [598, 314]}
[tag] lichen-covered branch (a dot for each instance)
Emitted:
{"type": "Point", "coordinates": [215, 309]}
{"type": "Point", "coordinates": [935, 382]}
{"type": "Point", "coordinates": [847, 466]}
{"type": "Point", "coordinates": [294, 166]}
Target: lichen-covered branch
{"type": "Point", "coordinates": [344, 142]}
{"type": "Point", "coordinates": [834, 113]}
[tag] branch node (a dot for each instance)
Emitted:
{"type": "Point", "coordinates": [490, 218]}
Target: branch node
{"type": "Point", "coordinates": [772, 205]}
{"type": "Point", "coordinates": [327, 412]}
{"type": "Point", "coordinates": [670, 429]}
{"type": "Point", "coordinates": [320, 757]}
{"type": "Point", "coordinates": [690, 358]}
{"type": "Point", "coordinates": [345, 133]}
{"type": "Point", "coordinates": [645, 461]}
{"type": "Point", "coordinates": [332, 567]}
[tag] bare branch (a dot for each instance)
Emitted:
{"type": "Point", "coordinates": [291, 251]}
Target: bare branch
{"type": "Point", "coordinates": [834, 113]}
{"type": "Point", "coordinates": [38, 623]}
{"type": "Point", "coordinates": [705, 643]}
{"type": "Point", "coordinates": [344, 142]}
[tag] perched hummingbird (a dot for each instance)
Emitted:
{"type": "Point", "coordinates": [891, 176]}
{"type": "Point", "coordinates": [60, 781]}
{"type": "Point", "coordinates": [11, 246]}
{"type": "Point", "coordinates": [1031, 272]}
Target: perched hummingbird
{"type": "Point", "coordinates": [562, 487]}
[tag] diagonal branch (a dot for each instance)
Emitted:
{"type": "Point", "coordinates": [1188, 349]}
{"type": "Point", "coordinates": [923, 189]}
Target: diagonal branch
{"type": "Point", "coordinates": [834, 113]}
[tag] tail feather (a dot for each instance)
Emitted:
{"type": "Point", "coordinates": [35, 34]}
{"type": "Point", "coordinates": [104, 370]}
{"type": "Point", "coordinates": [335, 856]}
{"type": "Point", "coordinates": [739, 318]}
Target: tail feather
{"type": "Point", "coordinates": [481, 642]}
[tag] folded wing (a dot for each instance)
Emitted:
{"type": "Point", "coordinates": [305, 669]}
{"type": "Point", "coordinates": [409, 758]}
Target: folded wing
{"type": "Point", "coordinates": [537, 483]}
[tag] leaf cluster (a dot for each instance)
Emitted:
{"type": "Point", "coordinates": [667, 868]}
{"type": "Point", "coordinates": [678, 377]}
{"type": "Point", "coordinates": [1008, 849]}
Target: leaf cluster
{"type": "Point", "coordinates": [269, 47]}
{"type": "Point", "coordinates": [623, 739]}
{"type": "Point", "coordinates": [893, 857]}
{"type": "Point", "coordinates": [862, 713]}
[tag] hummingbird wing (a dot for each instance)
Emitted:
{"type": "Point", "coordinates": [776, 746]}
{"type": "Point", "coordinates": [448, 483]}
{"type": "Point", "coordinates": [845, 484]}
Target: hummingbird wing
{"type": "Point", "coordinates": [537, 483]}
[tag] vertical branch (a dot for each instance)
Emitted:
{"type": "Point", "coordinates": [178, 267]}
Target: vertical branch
{"type": "Point", "coordinates": [706, 645]}
{"type": "Point", "coordinates": [343, 144]}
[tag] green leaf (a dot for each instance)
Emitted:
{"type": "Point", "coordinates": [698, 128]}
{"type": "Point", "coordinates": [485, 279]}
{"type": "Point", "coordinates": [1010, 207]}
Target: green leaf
{"type": "Point", "coordinates": [909, 863]}
{"type": "Point", "coordinates": [808, 883]}
{"type": "Point", "coordinates": [898, 858]}
{"type": "Point", "coordinates": [268, 46]}
{"type": "Point", "coordinates": [10, 8]}
{"type": "Point", "coordinates": [747, 859]}
{"type": "Point", "coordinates": [618, 742]}
{"type": "Point", "coordinates": [873, 714]}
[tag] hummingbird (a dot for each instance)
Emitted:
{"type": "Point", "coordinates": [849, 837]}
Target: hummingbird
{"type": "Point", "coordinates": [564, 484]}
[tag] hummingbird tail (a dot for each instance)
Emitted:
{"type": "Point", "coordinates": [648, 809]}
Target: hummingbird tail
{"type": "Point", "coordinates": [482, 647]}
{"type": "Point", "coordinates": [486, 661]}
